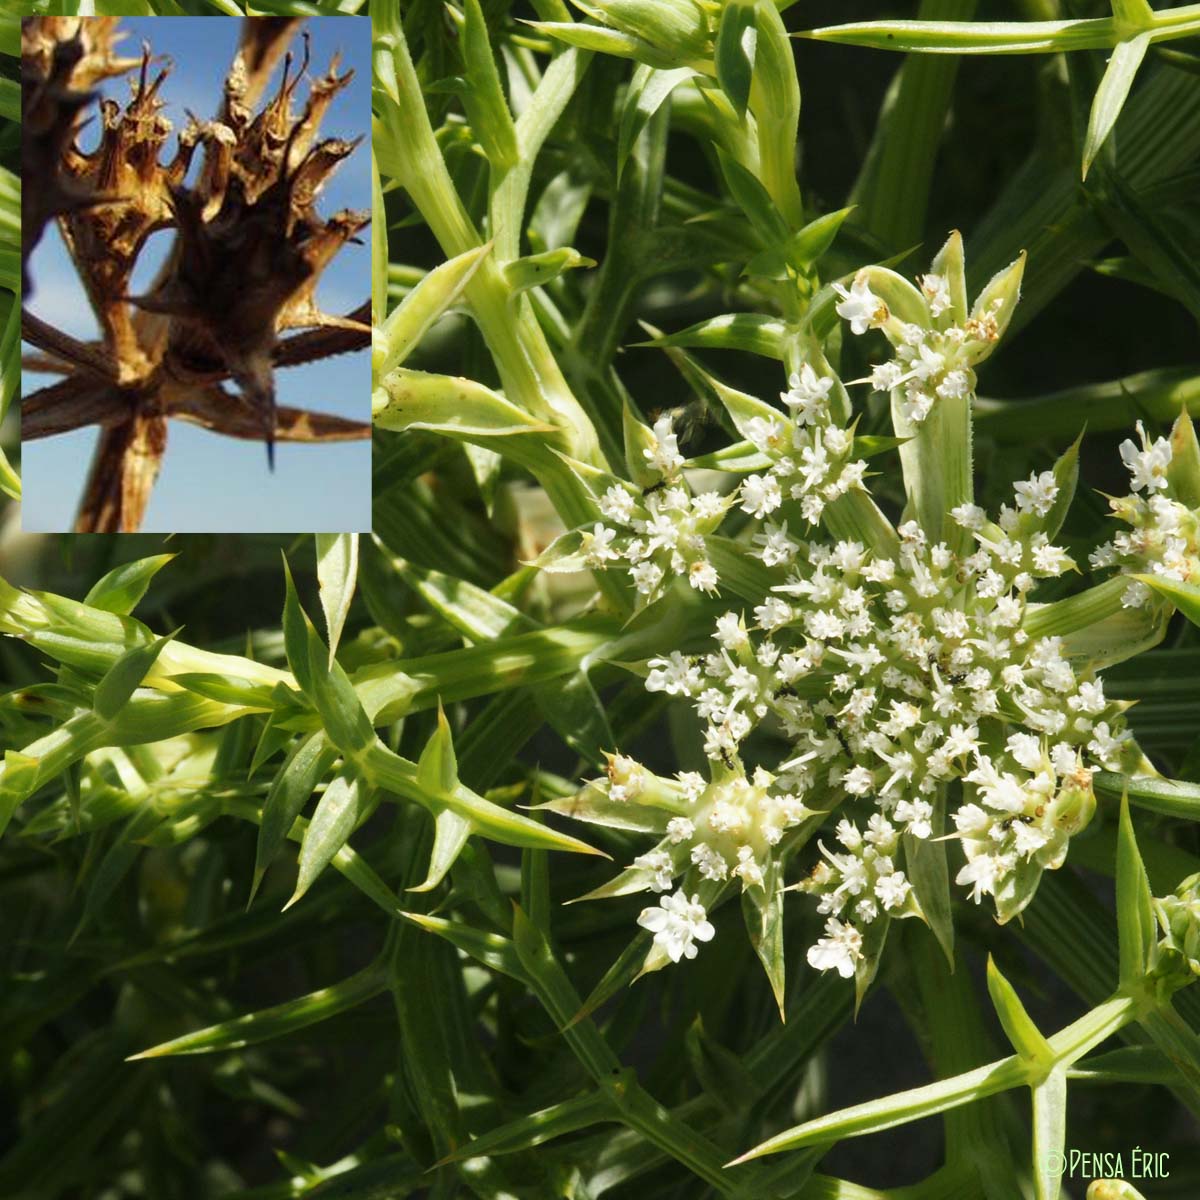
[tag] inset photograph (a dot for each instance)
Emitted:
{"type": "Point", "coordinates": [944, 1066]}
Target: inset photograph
{"type": "Point", "coordinates": [196, 195]}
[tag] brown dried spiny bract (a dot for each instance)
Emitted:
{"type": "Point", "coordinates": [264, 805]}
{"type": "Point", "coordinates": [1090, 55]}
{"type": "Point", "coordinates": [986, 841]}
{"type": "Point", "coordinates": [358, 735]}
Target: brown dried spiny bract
{"type": "Point", "coordinates": [105, 240]}
{"type": "Point", "coordinates": [62, 59]}
{"type": "Point", "coordinates": [250, 245]}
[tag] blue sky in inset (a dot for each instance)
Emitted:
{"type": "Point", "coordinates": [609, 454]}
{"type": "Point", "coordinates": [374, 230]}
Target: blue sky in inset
{"type": "Point", "coordinates": [211, 483]}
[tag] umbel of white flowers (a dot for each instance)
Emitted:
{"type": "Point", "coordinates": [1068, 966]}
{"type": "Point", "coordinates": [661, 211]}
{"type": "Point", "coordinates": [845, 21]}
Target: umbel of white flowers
{"type": "Point", "coordinates": [892, 670]}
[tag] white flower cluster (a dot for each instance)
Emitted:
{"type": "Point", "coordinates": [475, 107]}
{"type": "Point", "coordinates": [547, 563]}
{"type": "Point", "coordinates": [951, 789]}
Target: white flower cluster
{"type": "Point", "coordinates": [915, 671]}
{"type": "Point", "coordinates": [713, 834]}
{"type": "Point", "coordinates": [893, 675]}
{"type": "Point", "coordinates": [932, 361]}
{"type": "Point", "coordinates": [863, 879]}
{"type": "Point", "coordinates": [811, 454]}
{"type": "Point", "coordinates": [717, 830]}
{"type": "Point", "coordinates": [900, 674]}
{"type": "Point", "coordinates": [1164, 538]}
{"type": "Point", "coordinates": [656, 536]}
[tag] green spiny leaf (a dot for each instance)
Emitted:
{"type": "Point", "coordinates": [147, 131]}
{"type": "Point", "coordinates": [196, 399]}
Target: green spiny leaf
{"type": "Point", "coordinates": [1027, 1040]}
{"type": "Point", "coordinates": [737, 42]}
{"type": "Point", "coordinates": [1185, 596]}
{"type": "Point", "coordinates": [491, 121]}
{"type": "Point", "coordinates": [1110, 96]}
{"type": "Point", "coordinates": [122, 588]}
{"type": "Point", "coordinates": [420, 309]}
{"type": "Point", "coordinates": [306, 765]}
{"type": "Point", "coordinates": [1049, 1132]}
{"type": "Point", "coordinates": [344, 806]}
{"type": "Point", "coordinates": [123, 677]}
{"type": "Point", "coordinates": [277, 1021]}
{"type": "Point", "coordinates": [337, 574]}
{"type": "Point", "coordinates": [1135, 913]}
{"type": "Point", "coordinates": [648, 90]}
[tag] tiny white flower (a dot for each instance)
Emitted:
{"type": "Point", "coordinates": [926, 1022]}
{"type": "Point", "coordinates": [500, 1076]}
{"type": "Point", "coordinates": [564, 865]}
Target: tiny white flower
{"type": "Point", "coordinates": [627, 778]}
{"type": "Point", "coordinates": [662, 870]}
{"type": "Point", "coordinates": [730, 632]}
{"type": "Point", "coordinates": [848, 834]}
{"type": "Point", "coordinates": [970, 820]}
{"type": "Point", "coordinates": [708, 505]}
{"type": "Point", "coordinates": [982, 874]}
{"type": "Point", "coordinates": [892, 889]}
{"type": "Point", "coordinates": [680, 829]}
{"type": "Point", "coordinates": [646, 576]}
{"type": "Point", "coordinates": [811, 508]}
{"type": "Point", "coordinates": [1026, 749]}
{"type": "Point", "coordinates": [617, 505]}
{"type": "Point", "coordinates": [678, 923]}
{"type": "Point", "coordinates": [702, 575]}
{"type": "Point", "coordinates": [1037, 493]}
{"type": "Point", "coordinates": [1050, 560]}
{"type": "Point", "coordinates": [839, 950]}
{"type": "Point", "coordinates": [693, 785]}
{"type": "Point", "coordinates": [860, 306]}
{"type": "Point", "coordinates": [1148, 466]}
{"type": "Point", "coordinates": [1090, 697]}
{"type": "Point", "coordinates": [885, 376]}
{"type": "Point", "coordinates": [836, 440]}
{"type": "Point", "coordinates": [711, 864]}
{"type": "Point", "coordinates": [954, 385]}
{"type": "Point", "coordinates": [928, 362]}
{"type": "Point", "coordinates": [918, 404]}
{"type": "Point", "coordinates": [764, 435]}
{"type": "Point", "coordinates": [858, 781]}
{"type": "Point", "coordinates": [1064, 758]}
{"type": "Point", "coordinates": [761, 495]}
{"type": "Point", "coordinates": [777, 548]}
{"type": "Point", "coordinates": [916, 816]}
{"type": "Point", "coordinates": [664, 454]}
{"type": "Point", "coordinates": [773, 613]}
{"type": "Point", "coordinates": [937, 292]}
{"type": "Point", "coordinates": [674, 675]}
{"type": "Point", "coordinates": [969, 516]}
{"type": "Point", "coordinates": [598, 545]}
{"type": "Point", "coordinates": [1136, 594]}
{"type": "Point", "coordinates": [808, 395]}
{"type": "Point", "coordinates": [747, 869]}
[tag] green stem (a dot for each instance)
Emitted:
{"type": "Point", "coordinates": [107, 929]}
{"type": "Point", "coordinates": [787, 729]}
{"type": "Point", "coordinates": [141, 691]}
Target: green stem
{"type": "Point", "coordinates": [893, 189]}
{"type": "Point", "coordinates": [937, 466]}
{"type": "Point", "coordinates": [957, 1038]}
{"type": "Point", "coordinates": [408, 150]}
{"type": "Point", "coordinates": [1178, 1041]}
{"type": "Point", "coordinates": [1071, 1044]}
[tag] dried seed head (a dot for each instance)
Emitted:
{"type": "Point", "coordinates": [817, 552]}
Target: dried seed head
{"type": "Point", "coordinates": [251, 246]}
{"type": "Point", "coordinates": [249, 249]}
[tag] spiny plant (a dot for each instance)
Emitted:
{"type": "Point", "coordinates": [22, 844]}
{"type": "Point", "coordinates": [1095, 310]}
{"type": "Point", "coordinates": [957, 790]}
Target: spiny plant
{"type": "Point", "coordinates": [249, 249]}
{"type": "Point", "coordinates": [834, 658]}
